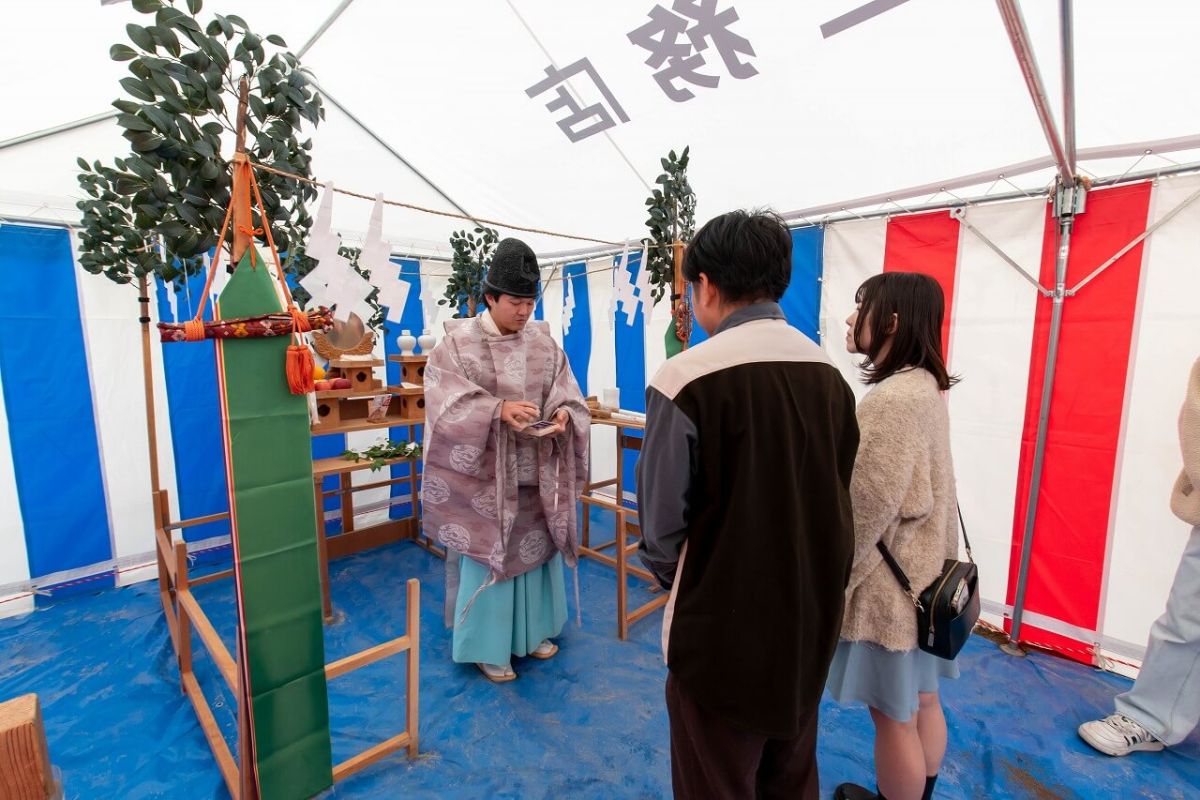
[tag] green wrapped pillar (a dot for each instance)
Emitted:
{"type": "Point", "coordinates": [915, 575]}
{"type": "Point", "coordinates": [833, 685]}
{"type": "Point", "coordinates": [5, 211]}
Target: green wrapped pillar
{"type": "Point", "coordinates": [268, 455]}
{"type": "Point", "coordinates": [671, 343]}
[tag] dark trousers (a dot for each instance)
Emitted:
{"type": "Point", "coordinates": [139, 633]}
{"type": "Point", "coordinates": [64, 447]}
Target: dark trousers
{"type": "Point", "coordinates": [711, 759]}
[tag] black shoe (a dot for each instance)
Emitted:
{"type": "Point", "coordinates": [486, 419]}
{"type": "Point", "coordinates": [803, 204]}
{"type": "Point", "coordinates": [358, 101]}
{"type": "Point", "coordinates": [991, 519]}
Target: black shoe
{"type": "Point", "coordinates": [852, 791]}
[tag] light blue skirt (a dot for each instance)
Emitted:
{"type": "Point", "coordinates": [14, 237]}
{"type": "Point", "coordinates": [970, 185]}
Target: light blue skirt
{"type": "Point", "coordinates": [885, 680]}
{"type": "Point", "coordinates": [510, 618]}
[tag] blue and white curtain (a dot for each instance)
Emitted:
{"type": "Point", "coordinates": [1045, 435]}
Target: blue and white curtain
{"type": "Point", "coordinates": [74, 466]}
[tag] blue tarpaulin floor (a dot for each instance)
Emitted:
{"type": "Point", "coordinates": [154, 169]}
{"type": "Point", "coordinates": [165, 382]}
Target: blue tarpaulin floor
{"type": "Point", "coordinates": [588, 724]}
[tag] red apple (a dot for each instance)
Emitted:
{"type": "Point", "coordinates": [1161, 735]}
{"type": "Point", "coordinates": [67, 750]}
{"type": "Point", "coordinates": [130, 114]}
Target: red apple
{"type": "Point", "coordinates": [341, 383]}
{"type": "Point", "coordinates": [322, 386]}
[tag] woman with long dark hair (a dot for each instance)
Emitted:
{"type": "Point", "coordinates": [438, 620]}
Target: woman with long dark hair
{"type": "Point", "coordinates": [903, 495]}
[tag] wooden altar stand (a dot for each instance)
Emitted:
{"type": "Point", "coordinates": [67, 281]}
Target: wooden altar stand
{"type": "Point", "coordinates": [346, 411]}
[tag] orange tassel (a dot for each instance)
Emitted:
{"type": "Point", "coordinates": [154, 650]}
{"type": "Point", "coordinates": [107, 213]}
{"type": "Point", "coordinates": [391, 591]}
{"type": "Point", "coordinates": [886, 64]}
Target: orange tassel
{"type": "Point", "coordinates": [300, 369]}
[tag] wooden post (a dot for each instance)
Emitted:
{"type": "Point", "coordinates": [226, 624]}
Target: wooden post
{"type": "Point", "coordinates": [680, 285]}
{"type": "Point", "coordinates": [323, 551]}
{"type": "Point", "coordinates": [622, 574]}
{"type": "Point", "coordinates": [148, 380]}
{"type": "Point", "coordinates": [585, 508]}
{"type": "Point", "coordinates": [25, 772]}
{"type": "Point", "coordinates": [347, 487]}
{"type": "Point", "coordinates": [185, 626]}
{"type": "Point", "coordinates": [619, 492]}
{"type": "Point", "coordinates": [165, 588]}
{"type": "Point", "coordinates": [413, 697]}
{"type": "Point", "coordinates": [242, 218]}
{"type": "Point", "coordinates": [412, 488]}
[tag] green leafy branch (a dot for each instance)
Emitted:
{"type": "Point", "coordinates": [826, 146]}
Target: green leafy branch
{"type": "Point", "coordinates": [181, 99]}
{"type": "Point", "coordinates": [672, 209]}
{"type": "Point", "coordinates": [387, 450]}
{"type": "Point", "coordinates": [469, 266]}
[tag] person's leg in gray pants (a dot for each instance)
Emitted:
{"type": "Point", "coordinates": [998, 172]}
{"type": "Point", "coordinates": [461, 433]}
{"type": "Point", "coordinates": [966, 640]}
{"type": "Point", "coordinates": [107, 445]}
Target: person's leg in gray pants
{"type": "Point", "coordinates": [1166, 697]}
{"type": "Point", "coordinates": [1164, 703]}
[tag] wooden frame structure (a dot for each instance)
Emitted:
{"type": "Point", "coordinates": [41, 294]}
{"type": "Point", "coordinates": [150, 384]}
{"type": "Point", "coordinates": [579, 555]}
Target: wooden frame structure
{"type": "Point", "coordinates": [184, 615]}
{"type": "Point", "coordinates": [353, 539]}
{"type": "Point", "coordinates": [626, 527]}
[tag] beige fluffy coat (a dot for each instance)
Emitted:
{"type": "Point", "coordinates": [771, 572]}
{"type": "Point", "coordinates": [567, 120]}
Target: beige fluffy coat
{"type": "Point", "coordinates": [903, 494]}
{"type": "Point", "coordinates": [1185, 500]}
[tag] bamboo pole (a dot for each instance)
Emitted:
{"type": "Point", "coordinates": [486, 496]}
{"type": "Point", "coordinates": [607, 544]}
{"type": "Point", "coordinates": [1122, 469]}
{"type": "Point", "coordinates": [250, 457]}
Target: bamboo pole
{"type": "Point", "coordinates": [680, 292]}
{"type": "Point", "coordinates": [243, 221]}
{"type": "Point", "coordinates": [247, 784]}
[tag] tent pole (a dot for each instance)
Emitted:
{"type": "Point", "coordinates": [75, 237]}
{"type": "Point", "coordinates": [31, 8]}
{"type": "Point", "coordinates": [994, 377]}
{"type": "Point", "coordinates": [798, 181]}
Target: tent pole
{"type": "Point", "coordinates": [391, 150]}
{"type": "Point", "coordinates": [46, 133]}
{"type": "Point", "coordinates": [1018, 35]}
{"type": "Point", "coordinates": [324, 26]}
{"type": "Point", "coordinates": [1130, 150]}
{"type": "Point", "coordinates": [1067, 32]}
{"type": "Point", "coordinates": [1068, 201]}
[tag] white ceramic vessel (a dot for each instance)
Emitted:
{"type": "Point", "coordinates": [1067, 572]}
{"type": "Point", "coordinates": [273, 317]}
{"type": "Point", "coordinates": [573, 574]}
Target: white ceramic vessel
{"type": "Point", "coordinates": [406, 341]}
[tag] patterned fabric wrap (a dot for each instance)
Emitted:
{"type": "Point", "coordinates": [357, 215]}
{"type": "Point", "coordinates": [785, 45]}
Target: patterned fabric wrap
{"type": "Point", "coordinates": [248, 327]}
{"type": "Point", "coordinates": [474, 463]}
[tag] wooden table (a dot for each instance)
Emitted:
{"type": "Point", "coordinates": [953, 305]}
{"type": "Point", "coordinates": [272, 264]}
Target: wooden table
{"type": "Point", "coordinates": [353, 539]}
{"type": "Point", "coordinates": [626, 526]}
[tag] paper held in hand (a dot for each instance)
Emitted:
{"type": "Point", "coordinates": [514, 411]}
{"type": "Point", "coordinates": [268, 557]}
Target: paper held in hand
{"type": "Point", "coordinates": [543, 428]}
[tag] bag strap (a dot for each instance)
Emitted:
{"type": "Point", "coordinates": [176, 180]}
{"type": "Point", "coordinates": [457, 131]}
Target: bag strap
{"type": "Point", "coordinates": [962, 526]}
{"type": "Point", "coordinates": [905, 584]}
{"type": "Point", "coordinates": [896, 569]}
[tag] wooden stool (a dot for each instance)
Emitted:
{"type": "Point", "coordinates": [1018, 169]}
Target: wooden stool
{"type": "Point", "coordinates": [24, 758]}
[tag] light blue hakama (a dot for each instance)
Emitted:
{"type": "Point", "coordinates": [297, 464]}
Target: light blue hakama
{"type": "Point", "coordinates": [510, 618]}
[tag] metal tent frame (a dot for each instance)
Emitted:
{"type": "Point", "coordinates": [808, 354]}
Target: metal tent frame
{"type": "Point", "coordinates": [1068, 193]}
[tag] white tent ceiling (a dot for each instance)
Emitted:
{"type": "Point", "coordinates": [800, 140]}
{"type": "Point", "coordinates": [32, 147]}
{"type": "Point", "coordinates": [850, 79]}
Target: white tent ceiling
{"type": "Point", "coordinates": [924, 92]}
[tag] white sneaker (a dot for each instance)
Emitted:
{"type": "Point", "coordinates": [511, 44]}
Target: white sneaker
{"type": "Point", "coordinates": [1118, 735]}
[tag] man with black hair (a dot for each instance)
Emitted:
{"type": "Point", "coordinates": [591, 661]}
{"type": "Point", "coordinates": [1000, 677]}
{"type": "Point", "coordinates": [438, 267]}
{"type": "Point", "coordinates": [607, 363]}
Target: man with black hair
{"type": "Point", "coordinates": [743, 498]}
{"type": "Point", "coordinates": [502, 501]}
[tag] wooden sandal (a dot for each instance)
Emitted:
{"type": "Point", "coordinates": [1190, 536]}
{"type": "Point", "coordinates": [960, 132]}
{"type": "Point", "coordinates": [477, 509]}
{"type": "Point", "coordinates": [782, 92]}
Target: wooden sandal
{"type": "Point", "coordinates": [551, 653]}
{"type": "Point", "coordinates": [497, 677]}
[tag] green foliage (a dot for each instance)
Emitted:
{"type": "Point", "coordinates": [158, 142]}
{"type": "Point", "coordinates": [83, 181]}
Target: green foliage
{"type": "Point", "coordinates": [379, 454]}
{"type": "Point", "coordinates": [472, 257]}
{"type": "Point", "coordinates": [181, 100]}
{"type": "Point", "coordinates": [672, 209]}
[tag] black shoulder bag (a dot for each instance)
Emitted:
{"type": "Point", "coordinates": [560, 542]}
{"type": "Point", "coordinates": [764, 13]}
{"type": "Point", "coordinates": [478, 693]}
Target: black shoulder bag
{"type": "Point", "coordinates": [949, 607]}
